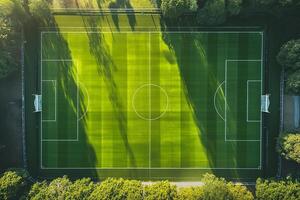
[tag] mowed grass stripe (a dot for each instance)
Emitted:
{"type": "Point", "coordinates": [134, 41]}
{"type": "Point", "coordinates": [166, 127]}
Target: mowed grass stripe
{"type": "Point", "coordinates": [121, 146]}
{"type": "Point", "coordinates": [170, 81]}
{"type": "Point", "coordinates": [155, 126]}
{"type": "Point", "coordinates": [138, 76]}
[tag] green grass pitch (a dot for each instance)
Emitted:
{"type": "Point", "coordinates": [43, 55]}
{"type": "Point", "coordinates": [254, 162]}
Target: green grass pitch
{"type": "Point", "coordinates": [148, 104]}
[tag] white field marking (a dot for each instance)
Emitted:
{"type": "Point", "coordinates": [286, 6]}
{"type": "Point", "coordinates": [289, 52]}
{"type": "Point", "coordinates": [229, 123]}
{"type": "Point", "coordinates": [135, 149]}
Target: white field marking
{"type": "Point", "coordinates": [154, 168]}
{"type": "Point", "coordinates": [41, 122]}
{"type": "Point", "coordinates": [105, 9]}
{"type": "Point", "coordinates": [55, 100]}
{"type": "Point", "coordinates": [88, 101]}
{"type": "Point", "coordinates": [137, 32]}
{"type": "Point", "coordinates": [133, 101]}
{"type": "Point", "coordinates": [248, 82]}
{"type": "Point", "coordinates": [226, 65]}
{"type": "Point", "coordinates": [126, 168]}
{"type": "Point", "coordinates": [215, 96]}
{"type": "Point", "coordinates": [77, 101]}
{"type": "Point", "coordinates": [261, 88]}
{"type": "Point", "coordinates": [150, 112]}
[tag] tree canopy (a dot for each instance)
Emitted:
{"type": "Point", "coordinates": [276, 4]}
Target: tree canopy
{"type": "Point", "coordinates": [289, 145]}
{"type": "Point", "coordinates": [176, 8]}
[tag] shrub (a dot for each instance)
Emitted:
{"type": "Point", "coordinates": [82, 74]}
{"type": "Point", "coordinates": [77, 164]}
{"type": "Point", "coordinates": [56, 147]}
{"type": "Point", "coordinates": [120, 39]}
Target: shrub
{"type": "Point", "coordinates": [62, 188]}
{"type": "Point", "coordinates": [176, 8]}
{"type": "Point", "coordinates": [190, 193]}
{"type": "Point", "coordinates": [80, 189]}
{"type": "Point", "coordinates": [277, 190]}
{"type": "Point", "coordinates": [215, 188]}
{"type": "Point", "coordinates": [57, 189]}
{"type": "Point", "coordinates": [11, 185]}
{"type": "Point", "coordinates": [118, 189]}
{"type": "Point", "coordinates": [289, 55]}
{"type": "Point", "coordinates": [239, 192]}
{"type": "Point", "coordinates": [213, 13]}
{"type": "Point", "coordinates": [160, 191]}
{"type": "Point", "coordinates": [289, 146]}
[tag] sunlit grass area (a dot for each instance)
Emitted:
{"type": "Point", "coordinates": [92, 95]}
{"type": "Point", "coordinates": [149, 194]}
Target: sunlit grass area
{"type": "Point", "coordinates": [104, 4]}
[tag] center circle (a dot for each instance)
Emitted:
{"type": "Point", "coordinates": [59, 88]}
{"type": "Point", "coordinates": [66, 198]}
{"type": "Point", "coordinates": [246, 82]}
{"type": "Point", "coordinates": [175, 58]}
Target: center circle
{"type": "Point", "coordinates": [150, 101]}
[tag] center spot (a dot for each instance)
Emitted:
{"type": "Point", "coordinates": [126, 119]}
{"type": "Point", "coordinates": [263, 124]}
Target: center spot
{"type": "Point", "coordinates": [150, 101]}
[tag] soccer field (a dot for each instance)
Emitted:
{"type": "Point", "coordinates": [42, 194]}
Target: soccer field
{"type": "Point", "coordinates": [136, 103]}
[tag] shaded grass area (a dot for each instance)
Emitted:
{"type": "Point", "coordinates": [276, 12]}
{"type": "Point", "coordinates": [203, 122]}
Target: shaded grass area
{"type": "Point", "coordinates": [64, 74]}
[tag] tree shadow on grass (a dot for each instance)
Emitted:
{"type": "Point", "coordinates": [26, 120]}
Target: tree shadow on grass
{"type": "Point", "coordinates": [190, 49]}
{"type": "Point", "coordinates": [123, 4]}
{"type": "Point", "coordinates": [105, 66]}
{"type": "Point", "coordinates": [70, 105]}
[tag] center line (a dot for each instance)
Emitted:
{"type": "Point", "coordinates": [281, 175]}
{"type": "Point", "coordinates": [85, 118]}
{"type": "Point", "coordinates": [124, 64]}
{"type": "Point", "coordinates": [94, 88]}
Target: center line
{"type": "Point", "coordinates": [149, 39]}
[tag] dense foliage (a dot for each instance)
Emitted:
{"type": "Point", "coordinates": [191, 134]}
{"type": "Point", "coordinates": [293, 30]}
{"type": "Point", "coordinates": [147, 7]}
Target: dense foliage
{"type": "Point", "coordinates": [40, 10]}
{"type": "Point", "coordinates": [289, 58]}
{"type": "Point", "coordinates": [292, 84]}
{"type": "Point", "coordinates": [277, 190]}
{"type": "Point", "coordinates": [176, 8]}
{"type": "Point", "coordinates": [289, 145]}
{"type": "Point", "coordinates": [62, 188]}
{"type": "Point", "coordinates": [218, 189]}
{"type": "Point", "coordinates": [213, 188]}
{"type": "Point", "coordinates": [289, 55]}
{"type": "Point", "coordinates": [191, 193]}
{"type": "Point", "coordinates": [11, 184]}
{"type": "Point", "coordinates": [118, 189]}
{"type": "Point", "coordinates": [212, 13]}
{"type": "Point", "coordinates": [11, 17]}
{"type": "Point", "coordinates": [160, 191]}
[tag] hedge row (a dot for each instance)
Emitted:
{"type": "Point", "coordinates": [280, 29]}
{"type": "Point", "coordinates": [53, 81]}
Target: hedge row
{"type": "Point", "coordinates": [13, 186]}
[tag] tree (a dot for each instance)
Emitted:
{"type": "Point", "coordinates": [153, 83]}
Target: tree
{"type": "Point", "coordinates": [118, 189]}
{"type": "Point", "coordinates": [11, 18]}
{"type": "Point", "coordinates": [233, 7]}
{"type": "Point", "coordinates": [289, 55]}
{"type": "Point", "coordinates": [289, 146]}
{"type": "Point", "coordinates": [213, 13]}
{"type": "Point", "coordinates": [11, 185]}
{"type": "Point", "coordinates": [215, 188]}
{"type": "Point", "coordinates": [176, 8]}
{"type": "Point", "coordinates": [277, 190]}
{"type": "Point", "coordinates": [292, 85]}
{"type": "Point", "coordinates": [160, 191]}
{"type": "Point", "coordinates": [40, 10]}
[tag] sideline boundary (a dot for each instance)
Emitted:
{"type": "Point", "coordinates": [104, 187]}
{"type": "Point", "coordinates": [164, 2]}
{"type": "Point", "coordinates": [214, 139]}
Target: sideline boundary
{"type": "Point", "coordinates": [146, 168]}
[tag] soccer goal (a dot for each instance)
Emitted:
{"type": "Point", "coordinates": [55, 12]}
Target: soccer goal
{"type": "Point", "coordinates": [37, 103]}
{"type": "Point", "coordinates": [265, 103]}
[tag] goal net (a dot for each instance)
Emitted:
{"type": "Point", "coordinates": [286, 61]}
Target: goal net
{"type": "Point", "coordinates": [265, 103]}
{"type": "Point", "coordinates": [37, 103]}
